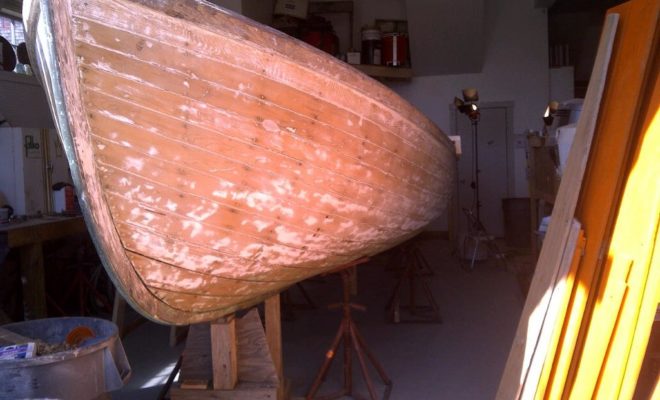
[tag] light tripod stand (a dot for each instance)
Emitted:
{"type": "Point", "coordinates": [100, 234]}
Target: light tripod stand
{"type": "Point", "coordinates": [476, 233]}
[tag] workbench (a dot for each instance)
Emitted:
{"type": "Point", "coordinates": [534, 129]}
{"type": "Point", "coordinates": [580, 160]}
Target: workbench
{"type": "Point", "coordinates": [27, 237]}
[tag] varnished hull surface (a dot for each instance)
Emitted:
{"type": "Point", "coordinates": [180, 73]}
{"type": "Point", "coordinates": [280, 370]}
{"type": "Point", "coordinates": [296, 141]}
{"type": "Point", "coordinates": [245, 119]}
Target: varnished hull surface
{"type": "Point", "coordinates": [219, 161]}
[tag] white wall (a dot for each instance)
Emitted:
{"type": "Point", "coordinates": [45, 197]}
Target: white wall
{"type": "Point", "coordinates": [561, 83]}
{"type": "Point", "coordinates": [446, 36]}
{"type": "Point", "coordinates": [515, 69]}
{"type": "Point", "coordinates": [23, 102]}
{"type": "Point", "coordinates": [22, 177]}
{"type": "Point", "coordinates": [11, 168]}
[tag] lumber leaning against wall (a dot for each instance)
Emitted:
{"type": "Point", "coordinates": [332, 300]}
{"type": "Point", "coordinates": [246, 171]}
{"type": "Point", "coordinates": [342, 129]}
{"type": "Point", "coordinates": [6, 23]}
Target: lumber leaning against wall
{"type": "Point", "coordinates": [604, 308]}
{"type": "Point", "coordinates": [538, 297]}
{"type": "Point", "coordinates": [622, 263]}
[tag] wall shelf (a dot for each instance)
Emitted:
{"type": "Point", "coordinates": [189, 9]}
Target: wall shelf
{"type": "Point", "coordinates": [381, 71]}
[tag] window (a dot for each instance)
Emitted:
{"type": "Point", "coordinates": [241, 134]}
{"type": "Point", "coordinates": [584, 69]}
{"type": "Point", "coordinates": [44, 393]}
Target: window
{"type": "Point", "coordinates": [12, 29]}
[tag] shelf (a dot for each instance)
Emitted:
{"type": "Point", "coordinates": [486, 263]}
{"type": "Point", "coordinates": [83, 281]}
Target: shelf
{"type": "Point", "coordinates": [381, 71]}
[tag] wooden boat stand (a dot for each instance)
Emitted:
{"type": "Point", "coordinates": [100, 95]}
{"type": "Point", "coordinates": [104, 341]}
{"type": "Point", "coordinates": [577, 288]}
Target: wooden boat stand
{"type": "Point", "coordinates": [233, 358]}
{"type": "Point", "coordinates": [416, 271]}
{"type": "Point", "coordinates": [353, 342]}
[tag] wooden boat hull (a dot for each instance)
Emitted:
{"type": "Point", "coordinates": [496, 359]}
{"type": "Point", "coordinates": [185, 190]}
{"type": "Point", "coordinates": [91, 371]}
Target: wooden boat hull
{"type": "Point", "coordinates": [219, 161]}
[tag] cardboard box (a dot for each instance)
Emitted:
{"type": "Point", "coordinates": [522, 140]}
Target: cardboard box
{"type": "Point", "coordinates": [294, 8]}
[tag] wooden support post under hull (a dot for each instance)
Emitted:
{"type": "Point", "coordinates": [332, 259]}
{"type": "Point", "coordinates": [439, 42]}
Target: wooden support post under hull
{"type": "Point", "coordinates": [223, 353]}
{"type": "Point", "coordinates": [233, 358]}
{"type": "Point", "coordinates": [274, 338]}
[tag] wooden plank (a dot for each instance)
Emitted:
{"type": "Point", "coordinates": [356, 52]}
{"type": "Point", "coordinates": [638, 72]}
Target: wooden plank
{"type": "Point", "coordinates": [288, 152]}
{"type": "Point", "coordinates": [318, 74]}
{"type": "Point", "coordinates": [637, 197]}
{"type": "Point", "coordinates": [528, 330]}
{"type": "Point", "coordinates": [243, 391]}
{"type": "Point", "coordinates": [381, 71]}
{"type": "Point", "coordinates": [196, 364]}
{"type": "Point", "coordinates": [613, 314]}
{"type": "Point", "coordinates": [256, 374]}
{"type": "Point", "coordinates": [632, 73]}
{"type": "Point", "coordinates": [41, 230]}
{"type": "Point", "coordinates": [273, 322]}
{"type": "Point", "coordinates": [599, 201]}
{"type": "Point", "coordinates": [203, 303]}
{"type": "Point", "coordinates": [293, 174]}
{"type": "Point", "coordinates": [190, 282]}
{"type": "Point", "coordinates": [559, 336]}
{"type": "Point", "coordinates": [224, 353]}
{"type": "Point", "coordinates": [195, 384]}
{"type": "Point", "coordinates": [33, 281]}
{"type": "Point", "coordinates": [566, 346]}
{"type": "Point", "coordinates": [203, 109]}
{"type": "Point", "coordinates": [320, 114]}
{"type": "Point", "coordinates": [177, 334]}
{"type": "Point", "coordinates": [556, 299]}
{"type": "Point", "coordinates": [255, 362]}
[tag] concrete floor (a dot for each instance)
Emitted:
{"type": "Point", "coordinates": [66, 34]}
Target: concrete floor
{"type": "Point", "coordinates": [461, 358]}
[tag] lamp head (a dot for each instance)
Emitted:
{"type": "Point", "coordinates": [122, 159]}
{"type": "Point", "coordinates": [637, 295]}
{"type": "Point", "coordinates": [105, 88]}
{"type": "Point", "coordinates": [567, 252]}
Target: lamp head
{"type": "Point", "coordinates": [470, 95]}
{"type": "Point", "coordinates": [468, 105]}
{"type": "Point", "coordinates": [550, 110]}
{"type": "Point", "coordinates": [470, 109]}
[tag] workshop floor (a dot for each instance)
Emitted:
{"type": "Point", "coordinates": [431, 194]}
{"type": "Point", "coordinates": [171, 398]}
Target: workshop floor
{"type": "Point", "coordinates": [461, 358]}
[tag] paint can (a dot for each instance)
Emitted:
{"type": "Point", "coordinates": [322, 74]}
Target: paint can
{"type": "Point", "coordinates": [371, 46]}
{"type": "Point", "coordinates": [395, 49]}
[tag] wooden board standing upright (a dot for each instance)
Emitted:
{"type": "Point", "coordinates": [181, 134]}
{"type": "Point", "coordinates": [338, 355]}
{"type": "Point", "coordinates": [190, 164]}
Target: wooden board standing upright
{"type": "Point", "coordinates": [218, 160]}
{"type": "Point", "coordinates": [538, 297]}
{"type": "Point", "coordinates": [615, 292]}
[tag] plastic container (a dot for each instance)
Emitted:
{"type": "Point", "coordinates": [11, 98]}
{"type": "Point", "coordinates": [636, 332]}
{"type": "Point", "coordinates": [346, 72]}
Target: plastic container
{"type": "Point", "coordinates": [371, 46]}
{"type": "Point", "coordinates": [98, 366]}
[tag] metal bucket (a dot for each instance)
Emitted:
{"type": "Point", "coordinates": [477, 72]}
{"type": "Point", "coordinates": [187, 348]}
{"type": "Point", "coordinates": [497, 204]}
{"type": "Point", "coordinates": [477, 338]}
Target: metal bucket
{"type": "Point", "coordinates": [98, 366]}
